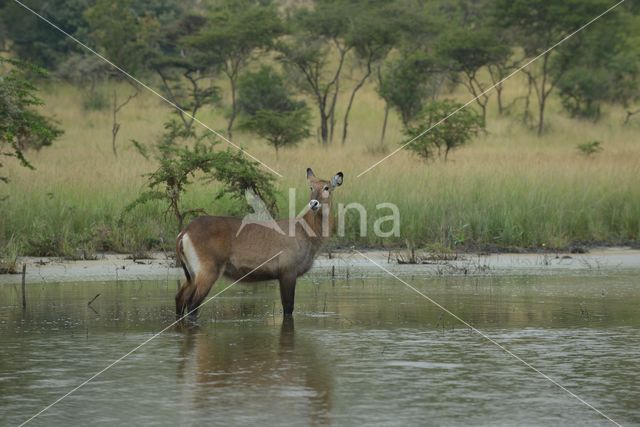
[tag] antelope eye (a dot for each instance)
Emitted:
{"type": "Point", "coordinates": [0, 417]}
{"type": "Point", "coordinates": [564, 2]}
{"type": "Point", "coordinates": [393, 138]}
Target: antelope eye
{"type": "Point", "coordinates": [311, 188]}
{"type": "Point", "coordinates": [326, 188]}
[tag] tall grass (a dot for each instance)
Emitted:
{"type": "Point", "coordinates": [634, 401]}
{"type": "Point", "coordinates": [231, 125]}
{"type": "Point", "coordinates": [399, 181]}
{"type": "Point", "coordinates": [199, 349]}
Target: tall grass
{"type": "Point", "coordinates": [507, 189]}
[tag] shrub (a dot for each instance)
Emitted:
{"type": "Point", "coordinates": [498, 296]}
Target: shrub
{"type": "Point", "coordinates": [589, 149]}
{"type": "Point", "coordinates": [443, 131]}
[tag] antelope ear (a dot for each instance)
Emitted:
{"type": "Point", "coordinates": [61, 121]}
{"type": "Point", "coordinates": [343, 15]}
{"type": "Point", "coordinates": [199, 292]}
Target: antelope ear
{"type": "Point", "coordinates": [310, 173]}
{"type": "Point", "coordinates": [337, 179]}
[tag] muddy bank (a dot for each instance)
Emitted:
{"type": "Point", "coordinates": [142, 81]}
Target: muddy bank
{"type": "Point", "coordinates": [115, 267]}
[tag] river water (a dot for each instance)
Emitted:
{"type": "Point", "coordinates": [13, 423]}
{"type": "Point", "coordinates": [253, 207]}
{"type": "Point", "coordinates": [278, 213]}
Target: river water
{"type": "Point", "coordinates": [363, 351]}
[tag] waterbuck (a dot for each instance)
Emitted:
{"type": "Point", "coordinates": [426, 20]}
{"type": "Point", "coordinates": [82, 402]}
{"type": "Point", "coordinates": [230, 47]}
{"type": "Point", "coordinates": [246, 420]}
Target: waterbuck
{"type": "Point", "coordinates": [213, 245]}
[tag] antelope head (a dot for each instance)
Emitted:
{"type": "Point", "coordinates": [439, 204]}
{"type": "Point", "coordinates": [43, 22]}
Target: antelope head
{"type": "Point", "coordinates": [321, 190]}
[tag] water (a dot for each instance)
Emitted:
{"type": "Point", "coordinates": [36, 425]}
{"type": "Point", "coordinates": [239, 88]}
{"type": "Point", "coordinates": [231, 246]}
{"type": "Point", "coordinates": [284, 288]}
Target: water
{"type": "Point", "coordinates": [360, 351]}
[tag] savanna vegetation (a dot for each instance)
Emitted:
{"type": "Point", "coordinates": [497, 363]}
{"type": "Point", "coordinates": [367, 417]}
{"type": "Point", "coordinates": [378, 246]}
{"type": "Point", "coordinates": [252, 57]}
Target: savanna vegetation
{"type": "Point", "coordinates": [548, 159]}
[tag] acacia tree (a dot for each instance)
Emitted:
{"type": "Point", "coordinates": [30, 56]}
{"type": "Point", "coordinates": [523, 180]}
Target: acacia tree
{"type": "Point", "coordinates": [408, 83]}
{"type": "Point", "coordinates": [372, 37]}
{"type": "Point", "coordinates": [467, 52]}
{"type": "Point", "coordinates": [604, 67]}
{"type": "Point", "coordinates": [539, 24]}
{"type": "Point", "coordinates": [22, 127]}
{"type": "Point", "coordinates": [411, 74]}
{"type": "Point", "coordinates": [86, 71]}
{"type": "Point", "coordinates": [114, 30]}
{"type": "Point", "coordinates": [315, 53]}
{"type": "Point", "coordinates": [38, 44]}
{"type": "Point", "coordinates": [183, 157]}
{"type": "Point", "coordinates": [186, 73]}
{"type": "Point", "coordinates": [234, 31]}
{"type": "Point", "coordinates": [266, 109]}
{"type": "Point", "coordinates": [448, 135]}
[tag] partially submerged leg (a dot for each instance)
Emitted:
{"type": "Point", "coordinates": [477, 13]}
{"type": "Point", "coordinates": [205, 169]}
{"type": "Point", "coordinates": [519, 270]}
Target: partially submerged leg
{"type": "Point", "coordinates": [287, 293]}
{"type": "Point", "coordinates": [181, 298]}
{"type": "Point", "coordinates": [203, 283]}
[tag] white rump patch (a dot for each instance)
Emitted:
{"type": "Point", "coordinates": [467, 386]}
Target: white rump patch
{"type": "Point", "coordinates": [192, 262]}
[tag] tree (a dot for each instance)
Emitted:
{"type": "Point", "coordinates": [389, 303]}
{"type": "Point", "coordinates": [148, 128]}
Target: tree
{"type": "Point", "coordinates": [86, 71]}
{"type": "Point", "coordinates": [179, 165]}
{"type": "Point", "coordinates": [448, 135]}
{"type": "Point", "coordinates": [37, 43]}
{"type": "Point", "coordinates": [539, 24]}
{"type": "Point", "coordinates": [315, 53]}
{"type": "Point", "coordinates": [408, 83]}
{"type": "Point", "coordinates": [114, 29]}
{"type": "Point", "coordinates": [372, 35]}
{"type": "Point", "coordinates": [467, 52]}
{"type": "Point", "coordinates": [604, 67]}
{"type": "Point", "coordinates": [187, 73]}
{"type": "Point", "coordinates": [234, 31]}
{"type": "Point", "coordinates": [280, 128]}
{"type": "Point", "coordinates": [415, 28]}
{"type": "Point", "coordinates": [21, 126]}
{"type": "Point", "coordinates": [266, 109]}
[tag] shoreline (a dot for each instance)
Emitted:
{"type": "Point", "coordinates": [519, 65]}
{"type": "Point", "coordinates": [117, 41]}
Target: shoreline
{"type": "Point", "coordinates": [342, 264]}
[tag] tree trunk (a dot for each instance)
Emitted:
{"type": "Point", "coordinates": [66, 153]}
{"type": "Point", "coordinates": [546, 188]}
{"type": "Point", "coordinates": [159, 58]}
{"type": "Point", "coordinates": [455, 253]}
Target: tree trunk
{"type": "Point", "coordinates": [351, 98]}
{"type": "Point", "coordinates": [232, 117]}
{"type": "Point", "coordinates": [499, 99]}
{"type": "Point", "coordinates": [332, 112]}
{"type": "Point", "coordinates": [384, 122]}
{"type": "Point", "coordinates": [324, 128]}
{"type": "Point", "coordinates": [541, 104]}
{"type": "Point", "coordinates": [542, 94]}
{"type": "Point", "coordinates": [527, 101]}
{"type": "Point", "coordinates": [630, 113]}
{"type": "Point", "coordinates": [336, 88]}
{"type": "Point", "coordinates": [480, 96]}
{"type": "Point", "coordinates": [115, 127]}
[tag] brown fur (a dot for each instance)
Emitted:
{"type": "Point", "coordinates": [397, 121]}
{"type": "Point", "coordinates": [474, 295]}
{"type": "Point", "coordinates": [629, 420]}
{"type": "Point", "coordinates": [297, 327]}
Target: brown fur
{"type": "Point", "coordinates": [213, 241]}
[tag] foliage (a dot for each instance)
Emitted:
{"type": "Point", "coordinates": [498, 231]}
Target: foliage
{"type": "Point", "coordinates": [36, 42]}
{"type": "Point", "coordinates": [235, 30]}
{"type": "Point", "coordinates": [372, 37]}
{"type": "Point", "coordinates": [455, 131]}
{"type": "Point", "coordinates": [582, 91]}
{"type": "Point", "coordinates": [21, 126]}
{"type": "Point", "coordinates": [179, 165]}
{"type": "Point", "coordinates": [264, 90]}
{"type": "Point", "coordinates": [187, 73]}
{"type": "Point", "coordinates": [467, 52]}
{"type": "Point", "coordinates": [268, 111]}
{"type": "Point", "coordinates": [408, 83]}
{"type": "Point", "coordinates": [280, 128]}
{"type": "Point", "coordinates": [539, 24]}
{"type": "Point", "coordinates": [86, 71]}
{"type": "Point", "coordinates": [314, 55]}
{"type": "Point", "coordinates": [603, 67]}
{"type": "Point", "coordinates": [114, 26]}
{"type": "Point", "coordinates": [589, 149]}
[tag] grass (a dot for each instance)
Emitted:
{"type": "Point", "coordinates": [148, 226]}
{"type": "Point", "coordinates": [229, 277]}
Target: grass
{"type": "Point", "coordinates": [507, 189]}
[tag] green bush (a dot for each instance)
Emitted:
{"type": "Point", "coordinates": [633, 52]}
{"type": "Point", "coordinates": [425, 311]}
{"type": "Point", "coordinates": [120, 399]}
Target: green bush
{"type": "Point", "coordinates": [443, 127]}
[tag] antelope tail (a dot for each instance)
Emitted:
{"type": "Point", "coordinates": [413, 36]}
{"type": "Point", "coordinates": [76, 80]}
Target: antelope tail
{"type": "Point", "coordinates": [180, 257]}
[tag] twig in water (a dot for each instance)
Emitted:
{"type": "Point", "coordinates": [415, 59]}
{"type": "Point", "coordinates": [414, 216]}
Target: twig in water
{"type": "Point", "coordinates": [92, 300]}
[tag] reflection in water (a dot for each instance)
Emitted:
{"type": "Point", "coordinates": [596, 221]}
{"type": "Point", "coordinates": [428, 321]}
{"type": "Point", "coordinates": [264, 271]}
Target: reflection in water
{"type": "Point", "coordinates": [362, 352]}
{"type": "Point", "coordinates": [284, 364]}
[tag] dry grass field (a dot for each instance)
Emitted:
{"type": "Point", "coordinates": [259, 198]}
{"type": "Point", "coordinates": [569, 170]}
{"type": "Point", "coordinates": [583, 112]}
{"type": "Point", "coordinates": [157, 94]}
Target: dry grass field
{"type": "Point", "coordinates": [506, 189]}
